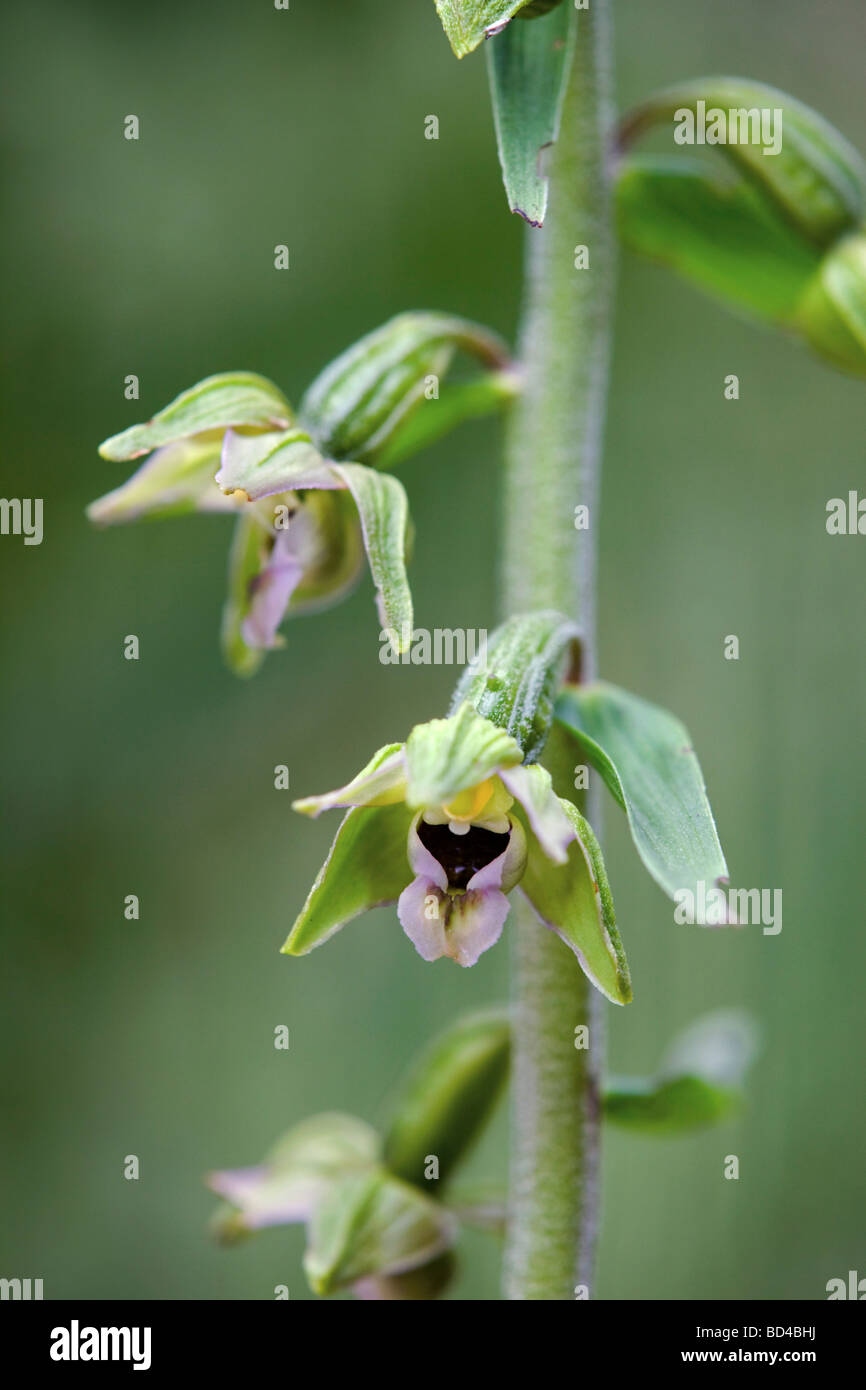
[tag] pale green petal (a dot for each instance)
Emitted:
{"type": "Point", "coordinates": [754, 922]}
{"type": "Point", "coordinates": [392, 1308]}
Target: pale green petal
{"type": "Point", "coordinates": [381, 783]}
{"type": "Point", "coordinates": [262, 465]}
{"type": "Point", "coordinates": [175, 480]}
{"type": "Point", "coordinates": [445, 756]}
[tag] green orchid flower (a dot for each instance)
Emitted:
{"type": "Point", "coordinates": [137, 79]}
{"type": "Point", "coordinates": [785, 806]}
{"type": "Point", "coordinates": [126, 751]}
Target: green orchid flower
{"type": "Point", "coordinates": [447, 826]}
{"type": "Point", "coordinates": [306, 489]}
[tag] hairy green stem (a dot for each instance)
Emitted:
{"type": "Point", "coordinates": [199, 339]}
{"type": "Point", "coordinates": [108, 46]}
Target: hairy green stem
{"type": "Point", "coordinates": [552, 467]}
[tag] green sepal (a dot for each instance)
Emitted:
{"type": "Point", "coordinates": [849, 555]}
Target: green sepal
{"type": "Point", "coordinates": [716, 230]}
{"type": "Point", "coordinates": [832, 314]}
{"type": "Point", "coordinates": [384, 512]}
{"type": "Point", "coordinates": [446, 756]}
{"type": "Point", "coordinates": [817, 179]}
{"type": "Point", "coordinates": [575, 901]}
{"type": "Point", "coordinates": [699, 1083]}
{"type": "Point", "coordinates": [645, 757]}
{"type": "Point", "coordinates": [373, 1225]}
{"type": "Point", "coordinates": [458, 402]}
{"type": "Point", "coordinates": [218, 402]}
{"type": "Point", "coordinates": [448, 1097]}
{"type": "Point", "coordinates": [367, 867]}
{"type": "Point", "coordinates": [356, 407]}
{"type": "Point", "coordinates": [525, 663]}
{"type": "Point", "coordinates": [528, 67]}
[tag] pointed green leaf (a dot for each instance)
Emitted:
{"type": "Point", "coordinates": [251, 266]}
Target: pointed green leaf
{"type": "Point", "coordinates": [448, 1096]}
{"type": "Point", "coordinates": [262, 465]}
{"type": "Point", "coordinates": [445, 756]}
{"type": "Point", "coordinates": [574, 900]}
{"type": "Point", "coordinates": [356, 406]}
{"type": "Point", "coordinates": [717, 231]}
{"type": "Point", "coordinates": [175, 480]}
{"type": "Point", "coordinates": [699, 1083]}
{"type": "Point", "coordinates": [381, 783]}
{"type": "Point", "coordinates": [245, 561]}
{"type": "Point", "coordinates": [833, 312]}
{"type": "Point", "coordinates": [528, 66]}
{"type": "Point", "coordinates": [815, 176]}
{"type": "Point", "coordinates": [645, 756]}
{"type": "Point", "coordinates": [384, 512]}
{"type": "Point", "coordinates": [367, 867]}
{"type": "Point", "coordinates": [523, 666]}
{"type": "Point", "coordinates": [373, 1225]}
{"type": "Point", "coordinates": [231, 398]}
{"type": "Point", "coordinates": [458, 402]}
{"type": "Point", "coordinates": [469, 22]}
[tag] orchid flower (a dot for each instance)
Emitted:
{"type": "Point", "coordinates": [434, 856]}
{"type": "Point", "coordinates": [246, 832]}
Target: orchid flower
{"type": "Point", "coordinates": [307, 499]}
{"type": "Point", "coordinates": [447, 825]}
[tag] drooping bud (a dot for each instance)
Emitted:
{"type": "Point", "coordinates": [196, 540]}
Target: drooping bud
{"type": "Point", "coordinates": [447, 1099]}
{"type": "Point", "coordinates": [359, 406]}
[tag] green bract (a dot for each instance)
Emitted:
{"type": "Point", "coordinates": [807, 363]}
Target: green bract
{"type": "Point", "coordinates": [526, 660]}
{"type": "Point", "coordinates": [775, 232]}
{"type": "Point", "coordinates": [306, 511]}
{"type": "Point", "coordinates": [528, 66]}
{"type": "Point", "coordinates": [698, 1084]}
{"type": "Point", "coordinates": [448, 1096]}
{"type": "Point", "coordinates": [469, 22]}
{"type": "Point", "coordinates": [645, 756]}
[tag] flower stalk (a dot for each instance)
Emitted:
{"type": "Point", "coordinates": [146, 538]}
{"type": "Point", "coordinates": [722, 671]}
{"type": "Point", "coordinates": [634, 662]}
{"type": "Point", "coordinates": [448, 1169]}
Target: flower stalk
{"type": "Point", "coordinates": [552, 468]}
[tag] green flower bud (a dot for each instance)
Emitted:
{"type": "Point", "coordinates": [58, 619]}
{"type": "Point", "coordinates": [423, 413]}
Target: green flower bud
{"type": "Point", "coordinates": [832, 312]}
{"type": "Point", "coordinates": [447, 1099]}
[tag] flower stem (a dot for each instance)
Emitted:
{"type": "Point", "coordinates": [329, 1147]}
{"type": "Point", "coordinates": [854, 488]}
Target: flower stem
{"type": "Point", "coordinates": [552, 467]}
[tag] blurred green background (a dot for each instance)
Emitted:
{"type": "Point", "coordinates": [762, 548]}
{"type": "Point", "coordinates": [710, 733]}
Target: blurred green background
{"type": "Point", "coordinates": [156, 778]}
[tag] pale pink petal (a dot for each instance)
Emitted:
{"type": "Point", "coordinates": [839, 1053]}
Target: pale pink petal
{"type": "Point", "coordinates": [532, 787]}
{"type": "Point", "coordinates": [423, 910]}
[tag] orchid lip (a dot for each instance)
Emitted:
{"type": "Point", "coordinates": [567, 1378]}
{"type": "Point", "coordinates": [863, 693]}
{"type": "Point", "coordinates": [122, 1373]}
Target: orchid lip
{"type": "Point", "coordinates": [462, 856]}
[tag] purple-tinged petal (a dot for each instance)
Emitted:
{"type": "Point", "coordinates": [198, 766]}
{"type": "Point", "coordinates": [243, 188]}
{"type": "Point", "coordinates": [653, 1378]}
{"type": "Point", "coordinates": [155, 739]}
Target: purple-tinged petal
{"type": "Point", "coordinates": [272, 589]}
{"type": "Point", "coordinates": [262, 465]}
{"type": "Point", "coordinates": [476, 923]}
{"type": "Point", "coordinates": [264, 1198]}
{"type": "Point", "coordinates": [423, 910]}
{"type": "Point", "coordinates": [532, 787]}
{"type": "Point", "coordinates": [424, 864]}
{"type": "Point", "coordinates": [506, 870]}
